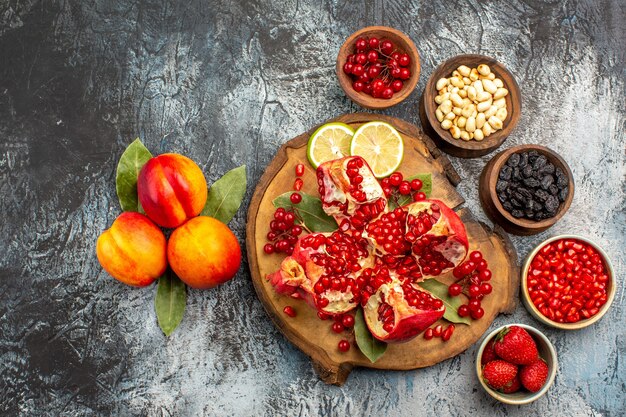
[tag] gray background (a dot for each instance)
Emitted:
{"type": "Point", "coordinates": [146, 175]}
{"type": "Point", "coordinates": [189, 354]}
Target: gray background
{"type": "Point", "coordinates": [227, 83]}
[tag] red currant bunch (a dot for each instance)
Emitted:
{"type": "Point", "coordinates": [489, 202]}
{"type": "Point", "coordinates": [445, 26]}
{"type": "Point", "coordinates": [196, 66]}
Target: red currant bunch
{"type": "Point", "coordinates": [472, 276]}
{"type": "Point", "coordinates": [377, 68]}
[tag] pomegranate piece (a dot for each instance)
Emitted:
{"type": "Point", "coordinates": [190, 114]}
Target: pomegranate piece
{"type": "Point", "coordinates": [438, 236]}
{"type": "Point", "coordinates": [399, 311]}
{"type": "Point", "coordinates": [350, 193]}
{"type": "Point", "coordinates": [323, 270]}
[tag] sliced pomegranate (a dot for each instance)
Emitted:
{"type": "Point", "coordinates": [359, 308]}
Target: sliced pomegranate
{"type": "Point", "coordinates": [437, 235]}
{"type": "Point", "coordinates": [350, 192]}
{"type": "Point", "coordinates": [325, 272]}
{"type": "Point", "coordinates": [399, 311]}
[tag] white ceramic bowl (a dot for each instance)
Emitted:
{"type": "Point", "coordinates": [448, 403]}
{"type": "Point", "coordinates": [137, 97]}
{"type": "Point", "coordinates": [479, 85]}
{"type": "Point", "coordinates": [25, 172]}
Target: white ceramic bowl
{"type": "Point", "coordinates": [546, 352]}
{"type": "Point", "coordinates": [611, 287]}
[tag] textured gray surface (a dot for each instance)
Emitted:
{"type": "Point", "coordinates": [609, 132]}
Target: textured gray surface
{"type": "Point", "coordinates": [226, 84]}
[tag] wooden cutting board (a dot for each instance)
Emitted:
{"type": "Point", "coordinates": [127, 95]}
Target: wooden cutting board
{"type": "Point", "coordinates": [315, 337]}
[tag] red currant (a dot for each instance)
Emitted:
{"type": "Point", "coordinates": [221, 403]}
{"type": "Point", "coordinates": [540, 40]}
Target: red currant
{"type": "Point", "coordinates": [416, 184]}
{"type": "Point", "coordinates": [343, 345]}
{"type": "Point", "coordinates": [386, 47]}
{"type": "Point", "coordinates": [479, 313]}
{"type": "Point", "coordinates": [404, 188]}
{"type": "Point", "coordinates": [404, 60]}
{"type": "Point", "coordinates": [420, 196]}
{"type": "Point", "coordinates": [360, 44]}
{"type": "Point", "coordinates": [374, 42]}
{"type": "Point", "coordinates": [348, 321]}
{"type": "Point", "coordinates": [295, 198]}
{"type": "Point", "coordinates": [395, 179]}
{"type": "Point", "coordinates": [454, 290]}
{"type": "Point", "coordinates": [397, 85]}
{"type": "Point", "coordinates": [337, 327]}
{"type": "Point", "coordinates": [463, 310]}
{"type": "Point", "coordinates": [268, 248]}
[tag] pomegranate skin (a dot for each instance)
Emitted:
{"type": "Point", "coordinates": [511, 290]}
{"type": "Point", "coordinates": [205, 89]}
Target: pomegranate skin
{"type": "Point", "coordinates": [132, 250]}
{"type": "Point", "coordinates": [171, 189]}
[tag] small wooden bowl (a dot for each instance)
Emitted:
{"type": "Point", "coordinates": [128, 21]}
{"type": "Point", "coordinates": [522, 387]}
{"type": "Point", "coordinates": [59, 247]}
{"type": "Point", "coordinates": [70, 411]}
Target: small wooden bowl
{"type": "Point", "coordinates": [546, 352]}
{"type": "Point", "coordinates": [403, 43]}
{"type": "Point", "coordinates": [444, 139]}
{"type": "Point", "coordinates": [492, 206]}
{"type": "Point", "coordinates": [611, 288]}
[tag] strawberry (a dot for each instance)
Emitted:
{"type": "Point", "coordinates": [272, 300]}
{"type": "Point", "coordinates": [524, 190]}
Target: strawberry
{"type": "Point", "coordinates": [515, 345]}
{"type": "Point", "coordinates": [499, 373]}
{"type": "Point", "coordinates": [488, 353]}
{"type": "Point", "coordinates": [513, 386]}
{"type": "Point", "coordinates": [533, 376]}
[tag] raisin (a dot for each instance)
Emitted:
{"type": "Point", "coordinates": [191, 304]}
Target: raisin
{"type": "Point", "coordinates": [527, 171]}
{"type": "Point", "coordinates": [529, 214]}
{"type": "Point", "coordinates": [552, 205]}
{"type": "Point", "coordinates": [540, 162]}
{"type": "Point", "coordinates": [505, 173]}
{"type": "Point", "coordinates": [516, 203]}
{"type": "Point", "coordinates": [561, 179]}
{"type": "Point", "coordinates": [563, 194]}
{"type": "Point", "coordinates": [507, 205]}
{"type": "Point", "coordinates": [513, 160]}
{"type": "Point", "coordinates": [546, 182]}
{"type": "Point", "coordinates": [516, 174]}
{"type": "Point", "coordinates": [537, 206]}
{"type": "Point", "coordinates": [554, 190]}
{"type": "Point", "coordinates": [548, 168]}
{"type": "Point", "coordinates": [529, 204]}
{"type": "Point", "coordinates": [541, 195]}
{"type": "Point", "coordinates": [523, 160]}
{"type": "Point", "coordinates": [503, 197]}
{"type": "Point", "coordinates": [501, 186]}
{"type": "Point", "coordinates": [525, 193]}
{"type": "Point", "coordinates": [531, 182]}
{"type": "Point", "coordinates": [517, 213]}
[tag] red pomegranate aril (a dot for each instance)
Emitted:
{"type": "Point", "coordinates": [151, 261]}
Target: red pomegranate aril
{"type": "Point", "coordinates": [454, 290]}
{"type": "Point", "coordinates": [323, 316]}
{"type": "Point", "coordinates": [428, 334]}
{"type": "Point", "coordinates": [299, 170]}
{"type": "Point", "coordinates": [463, 310]}
{"type": "Point", "coordinates": [437, 330]}
{"type": "Point", "coordinates": [295, 198]}
{"type": "Point", "coordinates": [447, 334]}
{"type": "Point", "coordinates": [343, 345]}
{"type": "Point", "coordinates": [297, 184]}
{"type": "Point", "coordinates": [478, 314]}
{"type": "Point", "coordinates": [289, 310]}
{"type": "Point", "coordinates": [337, 327]}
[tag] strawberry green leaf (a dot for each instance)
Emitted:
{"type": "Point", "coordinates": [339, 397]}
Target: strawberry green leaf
{"type": "Point", "coordinates": [371, 347]}
{"type": "Point", "coordinates": [309, 211]}
{"type": "Point", "coordinates": [170, 301]}
{"type": "Point", "coordinates": [427, 188]}
{"type": "Point", "coordinates": [452, 304]}
{"type": "Point", "coordinates": [132, 160]}
{"type": "Point", "coordinates": [226, 194]}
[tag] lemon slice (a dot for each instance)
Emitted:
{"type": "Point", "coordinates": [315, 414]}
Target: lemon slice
{"type": "Point", "coordinates": [328, 142]}
{"type": "Point", "coordinates": [380, 145]}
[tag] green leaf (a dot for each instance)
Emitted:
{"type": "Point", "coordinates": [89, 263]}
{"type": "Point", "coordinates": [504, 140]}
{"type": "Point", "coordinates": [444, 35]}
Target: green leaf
{"type": "Point", "coordinates": [132, 160]}
{"type": "Point", "coordinates": [452, 304]}
{"type": "Point", "coordinates": [427, 188]}
{"type": "Point", "coordinates": [226, 194]}
{"type": "Point", "coordinates": [371, 347]}
{"type": "Point", "coordinates": [170, 301]}
{"type": "Point", "coordinates": [310, 210]}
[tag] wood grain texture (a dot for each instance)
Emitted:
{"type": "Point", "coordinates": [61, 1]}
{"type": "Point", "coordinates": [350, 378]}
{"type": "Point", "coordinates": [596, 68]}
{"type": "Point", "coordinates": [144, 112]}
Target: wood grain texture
{"type": "Point", "coordinates": [314, 337]}
{"type": "Point", "coordinates": [227, 83]}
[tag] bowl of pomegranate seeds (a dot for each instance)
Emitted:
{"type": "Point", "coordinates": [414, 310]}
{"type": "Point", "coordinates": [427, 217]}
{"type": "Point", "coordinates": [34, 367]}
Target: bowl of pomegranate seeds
{"type": "Point", "coordinates": [378, 67]}
{"type": "Point", "coordinates": [568, 282]}
{"type": "Point", "coordinates": [516, 364]}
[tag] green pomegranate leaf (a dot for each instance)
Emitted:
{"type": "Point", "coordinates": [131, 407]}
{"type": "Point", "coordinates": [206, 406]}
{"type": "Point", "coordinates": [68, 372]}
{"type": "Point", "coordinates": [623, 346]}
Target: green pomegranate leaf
{"type": "Point", "coordinates": [310, 211]}
{"type": "Point", "coordinates": [371, 347]}
{"type": "Point", "coordinates": [132, 160]}
{"type": "Point", "coordinates": [226, 194]}
{"type": "Point", "coordinates": [427, 188]}
{"type": "Point", "coordinates": [452, 304]}
{"type": "Point", "coordinates": [170, 301]}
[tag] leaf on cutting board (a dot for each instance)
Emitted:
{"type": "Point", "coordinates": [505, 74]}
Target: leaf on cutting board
{"type": "Point", "coordinates": [132, 160]}
{"type": "Point", "coordinates": [427, 188]}
{"type": "Point", "coordinates": [225, 195]}
{"type": "Point", "coordinates": [170, 301]}
{"type": "Point", "coordinates": [310, 210]}
{"type": "Point", "coordinates": [452, 304]}
{"type": "Point", "coordinates": [371, 347]}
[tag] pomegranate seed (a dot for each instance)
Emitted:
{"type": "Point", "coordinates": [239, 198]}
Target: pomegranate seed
{"type": "Point", "coordinates": [323, 316]}
{"type": "Point", "coordinates": [348, 321]}
{"type": "Point", "coordinates": [479, 313]}
{"type": "Point", "coordinates": [428, 334]}
{"type": "Point", "coordinates": [337, 327]}
{"type": "Point", "coordinates": [343, 345]}
{"type": "Point", "coordinates": [289, 310]}
{"type": "Point", "coordinates": [437, 330]}
{"type": "Point", "coordinates": [299, 170]}
{"type": "Point", "coordinates": [447, 334]}
{"type": "Point", "coordinates": [295, 198]}
{"type": "Point", "coordinates": [297, 184]}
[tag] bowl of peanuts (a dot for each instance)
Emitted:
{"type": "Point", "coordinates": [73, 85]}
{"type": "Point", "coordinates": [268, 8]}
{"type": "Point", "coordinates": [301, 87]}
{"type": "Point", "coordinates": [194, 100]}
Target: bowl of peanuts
{"type": "Point", "coordinates": [471, 103]}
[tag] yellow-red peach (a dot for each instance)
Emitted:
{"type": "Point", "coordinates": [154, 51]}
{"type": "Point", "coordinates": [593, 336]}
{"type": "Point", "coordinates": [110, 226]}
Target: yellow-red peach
{"type": "Point", "coordinates": [171, 189]}
{"type": "Point", "coordinates": [204, 252]}
{"type": "Point", "coordinates": [133, 250]}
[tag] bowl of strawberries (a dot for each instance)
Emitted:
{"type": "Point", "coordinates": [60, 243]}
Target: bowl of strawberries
{"type": "Point", "coordinates": [516, 364]}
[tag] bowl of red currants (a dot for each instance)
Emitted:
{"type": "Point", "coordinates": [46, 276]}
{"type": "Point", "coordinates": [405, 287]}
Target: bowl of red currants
{"type": "Point", "coordinates": [378, 67]}
{"type": "Point", "coordinates": [568, 282]}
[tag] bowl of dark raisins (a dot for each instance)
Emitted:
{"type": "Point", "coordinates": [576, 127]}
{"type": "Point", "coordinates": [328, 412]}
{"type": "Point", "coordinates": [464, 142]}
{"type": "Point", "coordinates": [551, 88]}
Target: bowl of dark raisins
{"type": "Point", "coordinates": [526, 189]}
